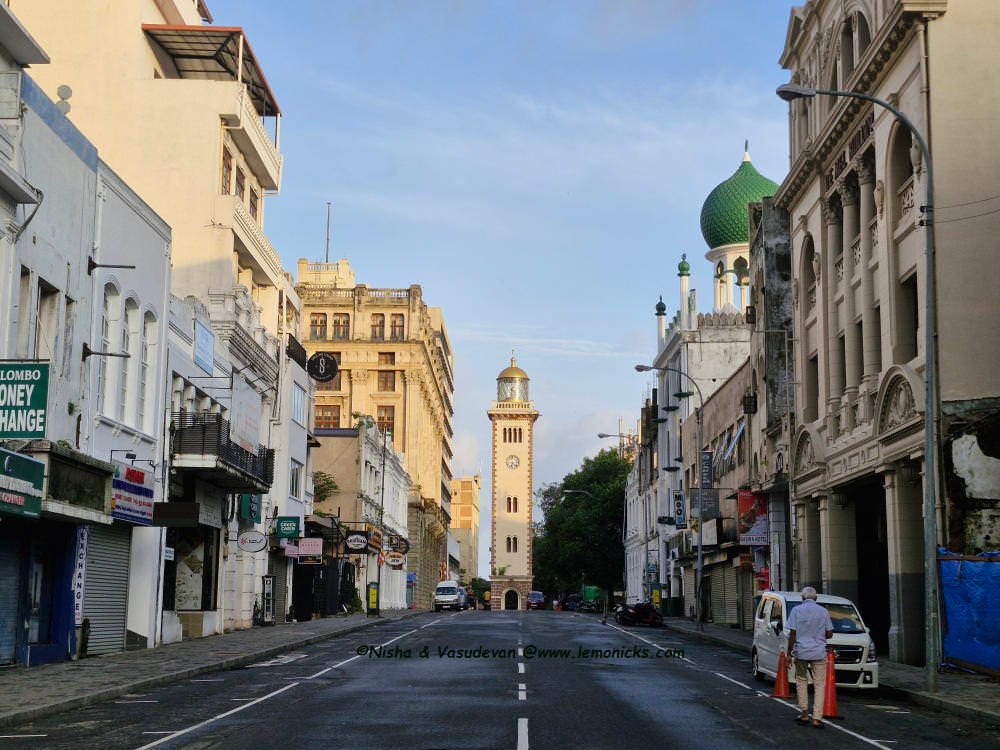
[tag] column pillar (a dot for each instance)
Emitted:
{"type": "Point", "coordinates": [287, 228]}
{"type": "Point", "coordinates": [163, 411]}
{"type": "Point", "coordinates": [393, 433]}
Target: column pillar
{"type": "Point", "coordinates": [871, 344]}
{"type": "Point", "coordinates": [904, 531]}
{"type": "Point", "coordinates": [852, 346]}
{"type": "Point", "coordinates": [839, 545]}
{"type": "Point", "coordinates": [834, 358]}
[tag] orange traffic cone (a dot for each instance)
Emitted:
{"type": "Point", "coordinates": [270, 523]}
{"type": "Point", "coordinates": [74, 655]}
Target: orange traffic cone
{"type": "Point", "coordinates": [830, 698]}
{"type": "Point", "coordinates": [781, 680]}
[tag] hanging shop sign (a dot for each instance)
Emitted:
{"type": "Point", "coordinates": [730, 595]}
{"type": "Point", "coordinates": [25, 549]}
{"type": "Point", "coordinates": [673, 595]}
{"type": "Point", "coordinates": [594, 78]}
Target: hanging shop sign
{"type": "Point", "coordinates": [374, 537]}
{"type": "Point", "coordinates": [251, 541]}
{"type": "Point", "coordinates": [24, 397]}
{"type": "Point", "coordinates": [21, 482]}
{"type": "Point", "coordinates": [395, 559]}
{"type": "Point", "coordinates": [287, 527]}
{"type": "Point", "coordinates": [356, 541]}
{"type": "Point", "coordinates": [322, 367]}
{"type": "Point", "coordinates": [753, 521]}
{"type": "Point", "coordinates": [250, 506]}
{"type": "Point", "coordinates": [79, 573]}
{"type": "Point", "coordinates": [132, 494]}
{"type": "Point", "coordinates": [680, 517]}
{"type": "Point", "coordinates": [311, 550]}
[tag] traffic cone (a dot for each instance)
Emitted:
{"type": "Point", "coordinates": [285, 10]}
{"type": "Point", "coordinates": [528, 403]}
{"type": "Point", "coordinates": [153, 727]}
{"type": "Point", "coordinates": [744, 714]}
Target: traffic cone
{"type": "Point", "coordinates": [781, 680]}
{"type": "Point", "coordinates": [830, 698]}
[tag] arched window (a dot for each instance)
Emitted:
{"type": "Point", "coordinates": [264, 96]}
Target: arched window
{"type": "Point", "coordinates": [341, 326]}
{"type": "Point", "coordinates": [317, 326]}
{"type": "Point", "coordinates": [378, 327]}
{"type": "Point", "coordinates": [146, 397]}
{"type": "Point", "coordinates": [513, 545]}
{"type": "Point", "coordinates": [511, 504]}
{"type": "Point", "coordinates": [129, 364]}
{"type": "Point", "coordinates": [110, 317]}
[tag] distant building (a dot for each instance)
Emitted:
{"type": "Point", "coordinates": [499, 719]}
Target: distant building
{"type": "Point", "coordinates": [396, 365]}
{"type": "Point", "coordinates": [465, 523]}
{"type": "Point", "coordinates": [512, 418]}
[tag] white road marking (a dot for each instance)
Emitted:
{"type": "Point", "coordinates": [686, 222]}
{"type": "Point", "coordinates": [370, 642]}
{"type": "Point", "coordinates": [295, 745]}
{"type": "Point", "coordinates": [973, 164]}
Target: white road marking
{"type": "Point", "coordinates": [26, 736]}
{"type": "Point", "coordinates": [169, 731]}
{"type": "Point", "coordinates": [212, 680]}
{"type": "Point", "coordinates": [432, 622]}
{"type": "Point", "coordinates": [522, 734]}
{"type": "Point", "coordinates": [520, 667]}
{"type": "Point", "coordinates": [358, 656]}
{"type": "Point", "coordinates": [649, 642]}
{"type": "Point", "coordinates": [736, 682]}
{"type": "Point", "coordinates": [278, 661]}
{"type": "Point", "coordinates": [216, 718]}
{"type": "Point", "coordinates": [144, 701]}
{"type": "Point", "coordinates": [241, 699]}
{"type": "Point", "coordinates": [522, 691]}
{"type": "Point", "coordinates": [520, 651]}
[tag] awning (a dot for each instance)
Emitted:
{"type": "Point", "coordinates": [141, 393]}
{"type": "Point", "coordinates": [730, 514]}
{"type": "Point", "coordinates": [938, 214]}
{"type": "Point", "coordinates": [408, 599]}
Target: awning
{"type": "Point", "coordinates": [736, 438]}
{"type": "Point", "coordinates": [215, 53]}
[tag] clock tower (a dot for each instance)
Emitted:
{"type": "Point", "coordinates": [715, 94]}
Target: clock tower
{"type": "Point", "coordinates": [512, 417]}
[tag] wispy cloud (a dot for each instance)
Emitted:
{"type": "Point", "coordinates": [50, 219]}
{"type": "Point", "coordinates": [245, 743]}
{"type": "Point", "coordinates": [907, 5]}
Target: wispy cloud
{"type": "Point", "coordinates": [539, 344]}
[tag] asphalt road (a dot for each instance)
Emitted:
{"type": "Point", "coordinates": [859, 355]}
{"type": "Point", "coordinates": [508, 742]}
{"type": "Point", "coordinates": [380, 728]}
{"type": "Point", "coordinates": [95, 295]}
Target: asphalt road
{"type": "Point", "coordinates": [493, 680]}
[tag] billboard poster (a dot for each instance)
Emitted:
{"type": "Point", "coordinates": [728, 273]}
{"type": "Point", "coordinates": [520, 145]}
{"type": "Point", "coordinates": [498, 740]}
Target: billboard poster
{"type": "Point", "coordinates": [752, 518]}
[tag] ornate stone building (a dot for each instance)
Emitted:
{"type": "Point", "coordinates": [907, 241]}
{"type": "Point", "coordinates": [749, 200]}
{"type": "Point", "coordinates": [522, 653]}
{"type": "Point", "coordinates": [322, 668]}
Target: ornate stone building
{"type": "Point", "coordinates": [512, 418]}
{"type": "Point", "coordinates": [465, 523]}
{"type": "Point", "coordinates": [396, 366]}
{"type": "Point", "coordinates": [855, 195]}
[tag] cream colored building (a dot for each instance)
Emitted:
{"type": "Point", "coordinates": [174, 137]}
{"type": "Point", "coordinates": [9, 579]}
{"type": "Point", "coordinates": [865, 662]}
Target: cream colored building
{"type": "Point", "coordinates": [512, 419]}
{"type": "Point", "coordinates": [465, 522]}
{"type": "Point", "coordinates": [855, 195]}
{"type": "Point", "coordinates": [181, 109]}
{"type": "Point", "coordinates": [395, 364]}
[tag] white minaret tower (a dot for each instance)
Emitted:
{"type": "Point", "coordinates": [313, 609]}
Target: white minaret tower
{"type": "Point", "coordinates": [513, 417]}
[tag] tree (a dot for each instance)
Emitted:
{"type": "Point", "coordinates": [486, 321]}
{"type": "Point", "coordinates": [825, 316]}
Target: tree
{"type": "Point", "coordinates": [580, 539]}
{"type": "Point", "coordinates": [324, 485]}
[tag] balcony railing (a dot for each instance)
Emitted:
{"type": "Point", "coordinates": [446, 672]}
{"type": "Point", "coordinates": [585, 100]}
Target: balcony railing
{"type": "Point", "coordinates": [208, 435]}
{"type": "Point", "coordinates": [256, 144]}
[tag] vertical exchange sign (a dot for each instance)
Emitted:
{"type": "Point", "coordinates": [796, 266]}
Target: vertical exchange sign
{"type": "Point", "coordinates": [24, 396]}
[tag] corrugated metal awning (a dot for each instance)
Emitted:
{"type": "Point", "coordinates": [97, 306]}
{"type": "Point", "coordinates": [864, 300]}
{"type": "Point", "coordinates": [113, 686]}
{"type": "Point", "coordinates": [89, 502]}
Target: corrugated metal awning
{"type": "Point", "coordinates": [215, 53]}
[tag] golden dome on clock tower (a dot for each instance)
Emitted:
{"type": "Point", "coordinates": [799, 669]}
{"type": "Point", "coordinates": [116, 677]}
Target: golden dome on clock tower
{"type": "Point", "coordinates": [512, 383]}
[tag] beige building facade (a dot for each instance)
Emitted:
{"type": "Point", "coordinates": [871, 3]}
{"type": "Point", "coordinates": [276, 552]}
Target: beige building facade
{"type": "Point", "coordinates": [465, 523]}
{"type": "Point", "coordinates": [396, 366]}
{"type": "Point", "coordinates": [856, 199]}
{"type": "Point", "coordinates": [512, 419]}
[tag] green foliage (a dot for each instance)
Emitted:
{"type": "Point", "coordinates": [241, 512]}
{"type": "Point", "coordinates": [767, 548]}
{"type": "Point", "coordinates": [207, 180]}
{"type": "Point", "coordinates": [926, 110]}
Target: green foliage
{"type": "Point", "coordinates": [479, 588]}
{"type": "Point", "coordinates": [580, 539]}
{"type": "Point", "coordinates": [324, 485]}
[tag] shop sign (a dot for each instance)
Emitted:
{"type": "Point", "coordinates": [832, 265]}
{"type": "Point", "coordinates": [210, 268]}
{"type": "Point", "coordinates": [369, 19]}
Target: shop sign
{"type": "Point", "coordinates": [24, 397]}
{"type": "Point", "coordinates": [79, 573]}
{"type": "Point", "coordinates": [168, 554]}
{"type": "Point", "coordinates": [251, 541]}
{"type": "Point", "coordinates": [287, 527]}
{"type": "Point", "coordinates": [399, 543]}
{"type": "Point", "coordinates": [311, 550]}
{"type": "Point", "coordinates": [357, 541]}
{"type": "Point", "coordinates": [132, 494]}
{"type": "Point", "coordinates": [204, 347]}
{"type": "Point", "coordinates": [680, 518]}
{"type": "Point", "coordinates": [752, 517]}
{"type": "Point", "coordinates": [250, 508]}
{"type": "Point", "coordinates": [395, 559]}
{"type": "Point", "coordinates": [21, 481]}
{"type": "Point", "coordinates": [291, 550]}
{"type": "Point", "coordinates": [374, 537]}
{"type": "Point", "coordinates": [705, 469]}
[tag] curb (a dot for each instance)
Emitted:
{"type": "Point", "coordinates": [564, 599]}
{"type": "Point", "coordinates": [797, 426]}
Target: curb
{"type": "Point", "coordinates": [37, 712]}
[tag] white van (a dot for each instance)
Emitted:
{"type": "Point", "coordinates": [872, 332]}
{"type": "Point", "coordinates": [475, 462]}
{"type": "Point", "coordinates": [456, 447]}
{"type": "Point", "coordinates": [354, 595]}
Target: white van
{"type": "Point", "coordinates": [449, 595]}
{"type": "Point", "coordinates": [856, 663]}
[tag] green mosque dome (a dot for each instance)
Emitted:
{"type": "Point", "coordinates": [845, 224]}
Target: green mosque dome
{"type": "Point", "coordinates": [684, 268]}
{"type": "Point", "coordinates": [724, 213]}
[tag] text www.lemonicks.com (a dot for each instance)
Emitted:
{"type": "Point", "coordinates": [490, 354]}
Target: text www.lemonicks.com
{"type": "Point", "coordinates": [527, 652]}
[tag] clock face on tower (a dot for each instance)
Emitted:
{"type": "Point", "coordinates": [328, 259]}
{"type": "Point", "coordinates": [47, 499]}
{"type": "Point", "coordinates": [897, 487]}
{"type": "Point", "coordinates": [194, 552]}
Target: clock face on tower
{"type": "Point", "coordinates": [513, 462]}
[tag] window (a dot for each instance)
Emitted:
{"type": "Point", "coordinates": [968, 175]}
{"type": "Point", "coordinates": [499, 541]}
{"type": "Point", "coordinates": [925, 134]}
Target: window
{"type": "Point", "coordinates": [108, 317]}
{"type": "Point", "coordinates": [129, 334]}
{"type": "Point", "coordinates": [512, 505]}
{"type": "Point", "coordinates": [317, 326]}
{"type": "Point", "coordinates": [378, 327]}
{"type": "Point", "coordinates": [512, 544]}
{"type": "Point", "coordinates": [241, 183]}
{"type": "Point", "coordinates": [298, 404]}
{"type": "Point", "coordinates": [295, 479]}
{"type": "Point", "coordinates": [386, 378]}
{"type": "Point", "coordinates": [385, 417]}
{"type": "Point", "coordinates": [396, 327]}
{"type": "Point", "coordinates": [327, 416]}
{"type": "Point", "coordinates": [341, 326]}
{"type": "Point", "coordinates": [252, 203]}
{"type": "Point", "coordinates": [144, 389]}
{"type": "Point", "coordinates": [227, 170]}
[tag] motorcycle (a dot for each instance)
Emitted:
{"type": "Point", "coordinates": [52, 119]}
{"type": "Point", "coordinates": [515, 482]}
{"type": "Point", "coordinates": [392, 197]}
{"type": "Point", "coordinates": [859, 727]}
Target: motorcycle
{"type": "Point", "coordinates": [640, 613]}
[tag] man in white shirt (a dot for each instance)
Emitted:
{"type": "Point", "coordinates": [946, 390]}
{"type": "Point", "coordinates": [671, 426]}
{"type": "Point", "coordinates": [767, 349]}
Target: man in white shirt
{"type": "Point", "coordinates": [809, 628]}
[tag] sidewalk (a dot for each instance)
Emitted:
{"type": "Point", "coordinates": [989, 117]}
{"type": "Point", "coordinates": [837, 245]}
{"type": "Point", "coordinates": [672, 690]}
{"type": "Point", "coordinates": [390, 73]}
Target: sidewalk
{"type": "Point", "coordinates": [960, 693]}
{"type": "Point", "coordinates": [27, 694]}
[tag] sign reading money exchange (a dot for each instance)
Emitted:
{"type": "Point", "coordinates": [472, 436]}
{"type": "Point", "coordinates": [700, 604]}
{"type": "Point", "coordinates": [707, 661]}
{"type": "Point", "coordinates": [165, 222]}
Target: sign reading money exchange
{"type": "Point", "coordinates": [24, 395]}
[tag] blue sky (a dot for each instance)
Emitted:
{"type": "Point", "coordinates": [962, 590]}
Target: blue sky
{"type": "Point", "coordinates": [537, 167]}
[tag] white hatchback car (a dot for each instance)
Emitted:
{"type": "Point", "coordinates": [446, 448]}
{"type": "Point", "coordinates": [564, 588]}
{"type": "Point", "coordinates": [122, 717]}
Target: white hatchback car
{"type": "Point", "coordinates": [855, 659]}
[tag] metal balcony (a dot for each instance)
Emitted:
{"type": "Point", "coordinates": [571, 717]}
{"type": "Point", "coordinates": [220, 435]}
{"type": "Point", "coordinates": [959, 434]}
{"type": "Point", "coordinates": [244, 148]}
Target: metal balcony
{"type": "Point", "coordinates": [201, 444]}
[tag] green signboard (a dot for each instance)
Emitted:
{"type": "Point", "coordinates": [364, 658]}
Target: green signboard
{"type": "Point", "coordinates": [250, 508]}
{"type": "Point", "coordinates": [24, 397]}
{"type": "Point", "coordinates": [288, 527]}
{"type": "Point", "coordinates": [21, 481]}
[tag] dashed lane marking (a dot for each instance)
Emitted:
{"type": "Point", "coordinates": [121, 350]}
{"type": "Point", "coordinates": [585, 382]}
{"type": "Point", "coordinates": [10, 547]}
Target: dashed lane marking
{"type": "Point", "coordinates": [522, 691]}
{"type": "Point", "coordinates": [28, 736]}
{"type": "Point", "coordinates": [358, 656]}
{"type": "Point", "coordinates": [735, 682]}
{"type": "Point", "coordinates": [520, 667]}
{"type": "Point", "coordinates": [522, 734]}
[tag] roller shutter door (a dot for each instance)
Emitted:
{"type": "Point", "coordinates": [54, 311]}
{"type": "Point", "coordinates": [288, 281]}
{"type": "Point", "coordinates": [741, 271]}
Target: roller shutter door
{"type": "Point", "coordinates": [732, 595]}
{"type": "Point", "coordinates": [279, 569]}
{"type": "Point", "coordinates": [717, 593]}
{"type": "Point", "coordinates": [748, 588]}
{"type": "Point", "coordinates": [689, 588]}
{"type": "Point", "coordinates": [105, 594]}
{"type": "Point", "coordinates": [10, 585]}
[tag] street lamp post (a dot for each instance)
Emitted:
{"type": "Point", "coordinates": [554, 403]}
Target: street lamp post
{"type": "Point", "coordinates": [701, 557]}
{"type": "Point", "coordinates": [789, 92]}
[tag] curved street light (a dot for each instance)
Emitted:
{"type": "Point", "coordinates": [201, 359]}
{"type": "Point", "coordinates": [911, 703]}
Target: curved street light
{"type": "Point", "coordinates": [790, 92]}
{"type": "Point", "coordinates": [701, 558]}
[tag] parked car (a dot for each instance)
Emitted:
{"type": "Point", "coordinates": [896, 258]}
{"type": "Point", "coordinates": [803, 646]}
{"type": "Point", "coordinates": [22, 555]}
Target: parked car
{"type": "Point", "coordinates": [571, 603]}
{"type": "Point", "coordinates": [855, 658]}
{"type": "Point", "coordinates": [449, 595]}
{"type": "Point", "coordinates": [536, 600]}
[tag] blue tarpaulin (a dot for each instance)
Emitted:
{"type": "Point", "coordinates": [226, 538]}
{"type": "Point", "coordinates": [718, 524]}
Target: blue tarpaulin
{"type": "Point", "coordinates": [970, 586]}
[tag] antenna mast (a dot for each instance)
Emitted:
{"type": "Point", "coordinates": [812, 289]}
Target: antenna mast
{"type": "Point", "coordinates": [328, 231]}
